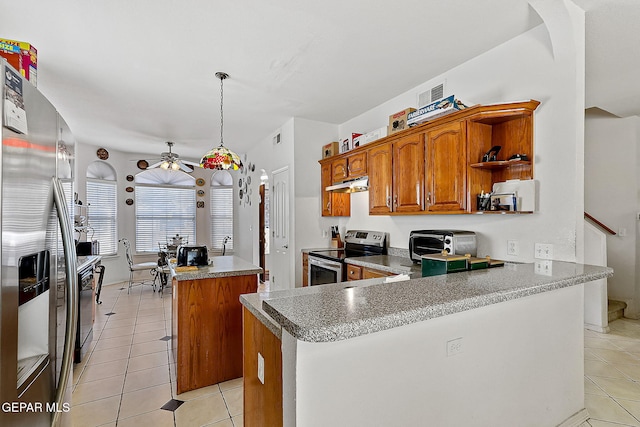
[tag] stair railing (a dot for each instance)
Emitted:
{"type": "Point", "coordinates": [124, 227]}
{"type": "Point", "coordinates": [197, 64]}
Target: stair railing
{"type": "Point", "coordinates": [600, 224]}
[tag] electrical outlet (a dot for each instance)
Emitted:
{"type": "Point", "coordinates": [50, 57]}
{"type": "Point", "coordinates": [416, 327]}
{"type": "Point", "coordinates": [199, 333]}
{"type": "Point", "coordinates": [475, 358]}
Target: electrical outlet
{"type": "Point", "coordinates": [543, 251]}
{"type": "Point", "coordinates": [260, 368]}
{"type": "Point", "coordinates": [454, 347]}
{"type": "Point", "coordinates": [512, 247]}
{"type": "Point", "coordinates": [544, 267]}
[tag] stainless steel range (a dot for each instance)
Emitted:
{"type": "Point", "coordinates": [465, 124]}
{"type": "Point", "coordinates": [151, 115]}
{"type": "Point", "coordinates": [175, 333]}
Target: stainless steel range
{"type": "Point", "coordinates": [328, 266]}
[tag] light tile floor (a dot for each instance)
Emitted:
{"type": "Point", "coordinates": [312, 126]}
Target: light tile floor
{"type": "Point", "coordinates": [612, 375]}
{"type": "Point", "coordinates": [128, 375]}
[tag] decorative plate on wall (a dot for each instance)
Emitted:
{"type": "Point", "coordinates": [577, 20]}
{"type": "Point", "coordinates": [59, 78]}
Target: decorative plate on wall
{"type": "Point", "coordinates": [200, 204]}
{"type": "Point", "coordinates": [200, 182]}
{"type": "Point", "coordinates": [102, 154]}
{"type": "Point", "coordinates": [129, 202]}
{"type": "Point", "coordinates": [129, 189]}
{"type": "Point", "coordinates": [142, 164]}
{"type": "Point", "coordinates": [129, 178]}
{"type": "Point", "coordinates": [201, 193]}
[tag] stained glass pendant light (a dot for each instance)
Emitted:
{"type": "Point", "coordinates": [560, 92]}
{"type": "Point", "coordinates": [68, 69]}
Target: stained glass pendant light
{"type": "Point", "coordinates": [221, 157]}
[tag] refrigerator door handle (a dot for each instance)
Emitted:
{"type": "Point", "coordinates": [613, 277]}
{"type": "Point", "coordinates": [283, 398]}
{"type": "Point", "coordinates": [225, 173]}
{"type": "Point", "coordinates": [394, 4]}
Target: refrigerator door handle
{"type": "Point", "coordinates": [71, 293]}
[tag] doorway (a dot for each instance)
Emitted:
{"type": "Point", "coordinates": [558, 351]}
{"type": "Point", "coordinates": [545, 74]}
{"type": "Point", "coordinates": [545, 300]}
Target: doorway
{"type": "Point", "coordinates": [263, 220]}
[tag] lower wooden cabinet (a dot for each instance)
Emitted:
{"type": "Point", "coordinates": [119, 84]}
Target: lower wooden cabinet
{"type": "Point", "coordinates": [370, 273]}
{"type": "Point", "coordinates": [354, 272]}
{"type": "Point", "coordinates": [262, 404]}
{"type": "Point", "coordinates": [305, 269]}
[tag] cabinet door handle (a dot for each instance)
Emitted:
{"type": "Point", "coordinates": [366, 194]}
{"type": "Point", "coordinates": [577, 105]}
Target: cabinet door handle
{"type": "Point", "coordinates": [329, 205]}
{"type": "Point", "coordinates": [429, 198]}
{"type": "Point", "coordinates": [395, 200]}
{"type": "Point", "coordinates": [389, 202]}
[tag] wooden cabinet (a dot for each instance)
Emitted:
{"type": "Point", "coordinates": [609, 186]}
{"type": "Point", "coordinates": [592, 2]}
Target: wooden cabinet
{"type": "Point", "coordinates": [350, 167]}
{"type": "Point", "coordinates": [371, 273]}
{"type": "Point", "coordinates": [305, 269]}
{"type": "Point", "coordinates": [262, 400]}
{"type": "Point", "coordinates": [436, 167]}
{"type": "Point", "coordinates": [354, 272]}
{"type": "Point", "coordinates": [408, 174]}
{"type": "Point", "coordinates": [206, 338]}
{"type": "Point", "coordinates": [333, 204]}
{"type": "Point", "coordinates": [380, 179]}
{"type": "Point", "coordinates": [446, 168]}
{"type": "Point", "coordinates": [396, 176]}
{"type": "Point", "coordinates": [509, 126]}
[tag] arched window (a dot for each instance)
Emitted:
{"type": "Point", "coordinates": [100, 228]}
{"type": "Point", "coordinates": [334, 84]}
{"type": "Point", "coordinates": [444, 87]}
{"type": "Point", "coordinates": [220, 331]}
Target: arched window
{"type": "Point", "coordinates": [221, 202]}
{"type": "Point", "coordinates": [101, 213]}
{"type": "Point", "coordinates": [165, 205]}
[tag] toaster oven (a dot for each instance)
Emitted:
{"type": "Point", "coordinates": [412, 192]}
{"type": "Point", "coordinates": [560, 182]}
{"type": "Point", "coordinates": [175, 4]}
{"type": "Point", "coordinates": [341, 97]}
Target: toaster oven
{"type": "Point", "coordinates": [192, 255]}
{"type": "Point", "coordinates": [424, 242]}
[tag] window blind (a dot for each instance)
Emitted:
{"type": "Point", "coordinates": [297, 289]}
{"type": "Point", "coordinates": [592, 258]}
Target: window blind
{"type": "Point", "coordinates": [102, 214]}
{"type": "Point", "coordinates": [221, 216]}
{"type": "Point", "coordinates": [163, 212]}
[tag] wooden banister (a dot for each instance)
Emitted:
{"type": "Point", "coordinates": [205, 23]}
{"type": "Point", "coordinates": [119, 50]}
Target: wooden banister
{"type": "Point", "coordinates": [599, 224]}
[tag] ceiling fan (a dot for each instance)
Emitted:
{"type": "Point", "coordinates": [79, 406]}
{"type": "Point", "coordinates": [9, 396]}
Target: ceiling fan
{"type": "Point", "coordinates": [171, 161]}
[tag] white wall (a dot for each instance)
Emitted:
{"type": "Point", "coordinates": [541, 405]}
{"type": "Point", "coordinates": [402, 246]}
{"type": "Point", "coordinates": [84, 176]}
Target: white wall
{"type": "Point", "coordinates": [526, 67]}
{"type": "Point", "coordinates": [310, 136]}
{"type": "Point", "coordinates": [547, 64]}
{"type": "Point", "coordinates": [403, 376]}
{"type": "Point", "coordinates": [611, 180]}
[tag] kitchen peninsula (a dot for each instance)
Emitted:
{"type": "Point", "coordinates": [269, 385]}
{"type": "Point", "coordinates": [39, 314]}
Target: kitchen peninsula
{"type": "Point", "coordinates": [207, 321]}
{"type": "Point", "coordinates": [502, 346]}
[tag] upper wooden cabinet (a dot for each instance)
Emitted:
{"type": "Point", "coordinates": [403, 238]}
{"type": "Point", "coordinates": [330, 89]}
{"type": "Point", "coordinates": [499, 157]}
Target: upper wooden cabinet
{"type": "Point", "coordinates": [396, 176]}
{"type": "Point", "coordinates": [408, 174]}
{"type": "Point", "coordinates": [333, 204]}
{"type": "Point", "coordinates": [446, 165]}
{"type": "Point", "coordinates": [509, 126]}
{"type": "Point", "coordinates": [380, 179]}
{"type": "Point", "coordinates": [436, 167]}
{"type": "Point", "coordinates": [349, 167]}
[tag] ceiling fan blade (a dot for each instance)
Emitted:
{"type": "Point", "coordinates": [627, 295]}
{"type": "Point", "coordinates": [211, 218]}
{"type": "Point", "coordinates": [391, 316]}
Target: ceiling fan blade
{"type": "Point", "coordinates": [155, 165]}
{"type": "Point", "coordinates": [184, 167]}
{"type": "Point", "coordinates": [188, 162]}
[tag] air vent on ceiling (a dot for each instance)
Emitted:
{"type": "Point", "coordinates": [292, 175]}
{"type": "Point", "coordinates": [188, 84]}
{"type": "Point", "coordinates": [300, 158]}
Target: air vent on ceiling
{"type": "Point", "coordinates": [431, 95]}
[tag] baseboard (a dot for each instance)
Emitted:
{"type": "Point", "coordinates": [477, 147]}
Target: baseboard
{"type": "Point", "coordinates": [576, 419]}
{"type": "Point", "coordinates": [597, 328]}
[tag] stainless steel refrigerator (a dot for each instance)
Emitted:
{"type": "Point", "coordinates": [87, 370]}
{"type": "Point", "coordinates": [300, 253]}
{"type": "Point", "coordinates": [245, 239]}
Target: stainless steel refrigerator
{"type": "Point", "coordinates": [38, 294]}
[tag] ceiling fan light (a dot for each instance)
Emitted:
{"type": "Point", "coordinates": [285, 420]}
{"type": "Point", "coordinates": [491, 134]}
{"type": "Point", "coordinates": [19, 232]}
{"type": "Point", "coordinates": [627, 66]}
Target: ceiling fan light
{"type": "Point", "coordinates": [164, 165]}
{"type": "Point", "coordinates": [175, 166]}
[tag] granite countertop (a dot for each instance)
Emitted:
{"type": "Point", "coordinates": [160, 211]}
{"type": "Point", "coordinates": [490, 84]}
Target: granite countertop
{"type": "Point", "coordinates": [220, 266]}
{"type": "Point", "coordinates": [390, 263]}
{"type": "Point", "coordinates": [345, 310]}
{"type": "Point", "coordinates": [255, 302]}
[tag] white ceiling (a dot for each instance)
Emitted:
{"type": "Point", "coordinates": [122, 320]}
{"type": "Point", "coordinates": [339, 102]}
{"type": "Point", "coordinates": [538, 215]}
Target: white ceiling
{"type": "Point", "coordinates": [131, 75]}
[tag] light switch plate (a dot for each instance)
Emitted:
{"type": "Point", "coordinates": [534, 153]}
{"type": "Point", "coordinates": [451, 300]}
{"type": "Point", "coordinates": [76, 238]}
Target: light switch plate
{"type": "Point", "coordinates": [260, 368]}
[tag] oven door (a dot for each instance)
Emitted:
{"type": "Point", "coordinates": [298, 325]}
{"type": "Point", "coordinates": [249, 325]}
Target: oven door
{"type": "Point", "coordinates": [322, 271]}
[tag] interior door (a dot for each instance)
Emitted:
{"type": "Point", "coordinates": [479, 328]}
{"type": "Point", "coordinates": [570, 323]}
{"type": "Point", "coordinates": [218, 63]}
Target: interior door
{"type": "Point", "coordinates": [279, 275]}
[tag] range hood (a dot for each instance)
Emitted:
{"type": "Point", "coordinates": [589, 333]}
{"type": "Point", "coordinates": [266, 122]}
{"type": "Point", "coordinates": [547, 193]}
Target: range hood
{"type": "Point", "coordinates": [353, 186]}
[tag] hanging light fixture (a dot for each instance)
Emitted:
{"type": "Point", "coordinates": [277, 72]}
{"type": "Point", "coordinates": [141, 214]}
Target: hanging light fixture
{"type": "Point", "coordinates": [221, 157]}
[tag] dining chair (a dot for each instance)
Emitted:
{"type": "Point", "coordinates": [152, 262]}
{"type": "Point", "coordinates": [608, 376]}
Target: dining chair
{"type": "Point", "coordinates": [151, 266]}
